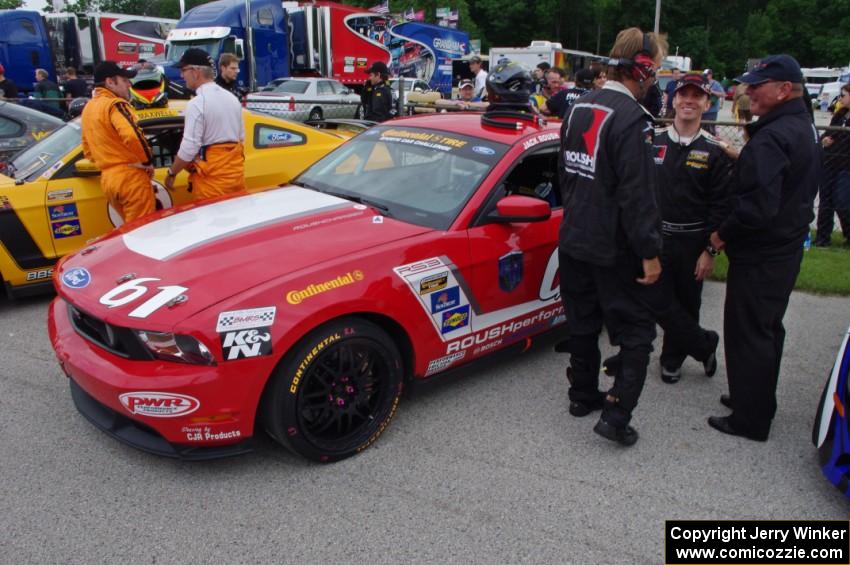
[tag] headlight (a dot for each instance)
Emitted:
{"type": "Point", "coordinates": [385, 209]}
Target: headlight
{"type": "Point", "coordinates": [174, 347]}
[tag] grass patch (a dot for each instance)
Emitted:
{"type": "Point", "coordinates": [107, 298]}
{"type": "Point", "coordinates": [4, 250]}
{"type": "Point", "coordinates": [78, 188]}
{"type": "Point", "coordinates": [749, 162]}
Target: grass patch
{"type": "Point", "coordinates": [825, 270]}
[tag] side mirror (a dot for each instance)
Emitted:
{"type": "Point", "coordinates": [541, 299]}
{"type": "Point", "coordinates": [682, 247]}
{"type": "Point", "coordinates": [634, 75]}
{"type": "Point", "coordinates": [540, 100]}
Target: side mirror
{"type": "Point", "coordinates": [85, 168]}
{"type": "Point", "coordinates": [346, 91]}
{"type": "Point", "coordinates": [518, 209]}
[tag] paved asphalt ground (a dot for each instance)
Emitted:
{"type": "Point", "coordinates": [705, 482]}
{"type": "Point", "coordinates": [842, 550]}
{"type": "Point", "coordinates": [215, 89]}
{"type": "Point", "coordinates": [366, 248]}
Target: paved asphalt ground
{"type": "Point", "coordinates": [485, 468]}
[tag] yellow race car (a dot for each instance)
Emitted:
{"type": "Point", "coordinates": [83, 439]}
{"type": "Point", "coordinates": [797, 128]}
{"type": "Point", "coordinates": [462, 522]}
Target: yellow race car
{"type": "Point", "coordinates": [51, 203]}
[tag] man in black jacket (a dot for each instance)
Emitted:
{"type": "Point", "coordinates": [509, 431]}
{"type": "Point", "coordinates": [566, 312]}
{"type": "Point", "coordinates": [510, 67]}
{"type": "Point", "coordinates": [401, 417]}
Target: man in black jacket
{"type": "Point", "coordinates": [773, 189]}
{"type": "Point", "coordinates": [377, 96]}
{"type": "Point", "coordinates": [610, 238]}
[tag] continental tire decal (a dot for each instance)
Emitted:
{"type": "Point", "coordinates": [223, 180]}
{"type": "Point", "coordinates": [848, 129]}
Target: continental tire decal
{"type": "Point", "coordinates": [302, 366]}
{"type": "Point", "coordinates": [19, 243]}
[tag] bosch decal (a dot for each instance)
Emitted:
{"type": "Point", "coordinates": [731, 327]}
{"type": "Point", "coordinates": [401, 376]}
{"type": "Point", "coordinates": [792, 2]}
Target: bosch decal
{"type": "Point", "coordinates": [159, 404]}
{"type": "Point", "coordinates": [77, 278]}
{"type": "Point", "coordinates": [445, 299]}
{"type": "Point", "coordinates": [510, 270]}
{"type": "Point", "coordinates": [433, 283]}
{"type": "Point", "coordinates": [245, 319]}
{"type": "Point", "coordinates": [62, 212]}
{"type": "Point", "coordinates": [455, 319]}
{"type": "Point", "coordinates": [246, 343]}
{"type": "Point", "coordinates": [437, 365]}
{"type": "Point", "coordinates": [70, 228]}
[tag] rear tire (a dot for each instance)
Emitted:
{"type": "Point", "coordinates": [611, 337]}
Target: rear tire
{"type": "Point", "coordinates": [335, 392]}
{"type": "Point", "coordinates": [360, 113]}
{"type": "Point", "coordinates": [315, 114]}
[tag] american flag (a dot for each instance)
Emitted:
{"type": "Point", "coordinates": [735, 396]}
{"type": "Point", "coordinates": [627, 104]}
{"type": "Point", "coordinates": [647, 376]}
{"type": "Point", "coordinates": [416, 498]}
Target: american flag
{"type": "Point", "coordinates": [383, 8]}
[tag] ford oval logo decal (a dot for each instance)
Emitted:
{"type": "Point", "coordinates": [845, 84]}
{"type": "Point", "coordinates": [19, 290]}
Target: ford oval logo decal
{"type": "Point", "coordinates": [483, 150]}
{"type": "Point", "coordinates": [77, 277]}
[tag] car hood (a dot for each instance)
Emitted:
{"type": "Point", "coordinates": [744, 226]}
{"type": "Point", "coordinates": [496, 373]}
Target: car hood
{"type": "Point", "coordinates": [219, 249]}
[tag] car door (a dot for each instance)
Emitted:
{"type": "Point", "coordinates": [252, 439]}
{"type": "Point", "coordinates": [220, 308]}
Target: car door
{"type": "Point", "coordinates": [328, 99]}
{"type": "Point", "coordinates": [514, 275]}
{"type": "Point", "coordinates": [88, 210]}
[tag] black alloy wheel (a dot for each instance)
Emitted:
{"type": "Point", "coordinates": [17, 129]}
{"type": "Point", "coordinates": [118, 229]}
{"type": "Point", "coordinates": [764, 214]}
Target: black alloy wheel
{"type": "Point", "coordinates": [336, 391]}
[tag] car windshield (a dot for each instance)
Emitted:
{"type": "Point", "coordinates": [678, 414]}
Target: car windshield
{"type": "Point", "coordinates": [45, 154]}
{"type": "Point", "coordinates": [177, 48]}
{"type": "Point", "coordinates": [292, 86]}
{"type": "Point", "coordinates": [377, 166]}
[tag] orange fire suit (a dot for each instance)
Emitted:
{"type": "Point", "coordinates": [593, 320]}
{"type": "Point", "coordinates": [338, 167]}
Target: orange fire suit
{"type": "Point", "coordinates": [218, 170]}
{"type": "Point", "coordinates": [114, 142]}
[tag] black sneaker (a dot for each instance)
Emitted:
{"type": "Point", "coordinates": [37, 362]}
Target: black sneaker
{"type": "Point", "coordinates": [581, 409]}
{"type": "Point", "coordinates": [624, 436]}
{"type": "Point", "coordinates": [669, 375]}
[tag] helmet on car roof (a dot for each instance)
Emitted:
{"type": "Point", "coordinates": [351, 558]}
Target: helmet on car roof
{"type": "Point", "coordinates": [509, 84]}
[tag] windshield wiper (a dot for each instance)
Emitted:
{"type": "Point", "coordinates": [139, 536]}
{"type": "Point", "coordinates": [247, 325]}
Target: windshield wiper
{"type": "Point", "coordinates": [385, 211]}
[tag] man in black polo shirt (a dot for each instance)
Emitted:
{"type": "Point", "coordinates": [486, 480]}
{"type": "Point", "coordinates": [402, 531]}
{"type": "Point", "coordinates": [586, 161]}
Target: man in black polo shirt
{"type": "Point", "coordinates": [560, 102]}
{"type": "Point", "coordinates": [773, 189]}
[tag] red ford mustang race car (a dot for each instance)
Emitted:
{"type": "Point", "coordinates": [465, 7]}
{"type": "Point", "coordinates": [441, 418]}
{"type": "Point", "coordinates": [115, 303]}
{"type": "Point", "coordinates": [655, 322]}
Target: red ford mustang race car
{"type": "Point", "coordinates": [418, 246]}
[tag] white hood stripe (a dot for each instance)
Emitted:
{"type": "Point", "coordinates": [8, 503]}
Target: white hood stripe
{"type": "Point", "coordinates": [176, 234]}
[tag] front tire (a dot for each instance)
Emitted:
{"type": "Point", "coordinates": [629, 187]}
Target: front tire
{"type": "Point", "coordinates": [335, 392]}
{"type": "Point", "coordinates": [315, 114]}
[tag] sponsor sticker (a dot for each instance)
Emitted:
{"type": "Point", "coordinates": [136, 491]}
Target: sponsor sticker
{"type": "Point", "coordinates": [445, 299]}
{"type": "Point", "coordinates": [296, 297]}
{"type": "Point", "coordinates": [39, 275]}
{"type": "Point", "coordinates": [299, 372]}
{"type": "Point", "coordinates": [62, 212]}
{"type": "Point", "coordinates": [159, 404]}
{"type": "Point", "coordinates": [540, 138]}
{"type": "Point", "coordinates": [245, 319]}
{"type": "Point", "coordinates": [241, 344]}
{"type": "Point", "coordinates": [434, 283]}
{"type": "Point", "coordinates": [697, 155]}
{"type": "Point", "coordinates": [590, 120]}
{"type": "Point", "coordinates": [510, 270]}
{"type": "Point", "coordinates": [70, 228]}
{"type": "Point", "coordinates": [484, 150]}
{"type": "Point", "coordinates": [455, 319]}
{"type": "Point", "coordinates": [57, 195]}
{"type": "Point", "coordinates": [696, 165]}
{"type": "Point", "coordinates": [209, 433]}
{"type": "Point", "coordinates": [77, 277]}
{"type": "Point", "coordinates": [437, 365]}
{"type": "Point", "coordinates": [377, 219]}
{"type": "Point", "coordinates": [659, 152]}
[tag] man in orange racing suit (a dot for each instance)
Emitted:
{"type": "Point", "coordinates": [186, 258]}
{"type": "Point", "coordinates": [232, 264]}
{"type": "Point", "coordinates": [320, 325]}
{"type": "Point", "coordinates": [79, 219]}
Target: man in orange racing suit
{"type": "Point", "coordinates": [113, 141]}
{"type": "Point", "coordinates": [212, 146]}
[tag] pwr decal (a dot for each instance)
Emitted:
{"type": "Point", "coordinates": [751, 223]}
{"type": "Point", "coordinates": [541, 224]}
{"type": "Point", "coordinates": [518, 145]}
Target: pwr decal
{"type": "Point", "coordinates": [159, 404]}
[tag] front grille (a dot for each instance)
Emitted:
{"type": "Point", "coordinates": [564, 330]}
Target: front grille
{"type": "Point", "coordinates": [115, 339]}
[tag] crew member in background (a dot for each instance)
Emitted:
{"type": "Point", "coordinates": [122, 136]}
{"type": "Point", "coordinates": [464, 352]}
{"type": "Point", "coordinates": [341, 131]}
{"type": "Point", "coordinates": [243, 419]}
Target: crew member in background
{"type": "Point", "coordinates": [480, 76]}
{"type": "Point", "coordinates": [74, 87]}
{"type": "Point", "coordinates": [835, 191]}
{"type": "Point", "coordinates": [466, 93]}
{"type": "Point", "coordinates": [377, 96]}
{"type": "Point", "coordinates": [113, 141]}
{"type": "Point", "coordinates": [774, 185]}
{"type": "Point", "coordinates": [538, 75]}
{"type": "Point", "coordinates": [8, 88]}
{"type": "Point", "coordinates": [669, 90]}
{"type": "Point", "coordinates": [560, 102]}
{"type": "Point", "coordinates": [717, 94]}
{"type": "Point", "coordinates": [214, 134]}
{"type": "Point", "coordinates": [228, 71]}
{"type": "Point", "coordinates": [610, 238]}
{"type": "Point", "coordinates": [47, 90]}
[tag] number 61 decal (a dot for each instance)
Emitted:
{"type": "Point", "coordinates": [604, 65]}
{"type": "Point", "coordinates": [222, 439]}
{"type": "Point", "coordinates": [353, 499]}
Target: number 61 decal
{"type": "Point", "coordinates": [135, 289]}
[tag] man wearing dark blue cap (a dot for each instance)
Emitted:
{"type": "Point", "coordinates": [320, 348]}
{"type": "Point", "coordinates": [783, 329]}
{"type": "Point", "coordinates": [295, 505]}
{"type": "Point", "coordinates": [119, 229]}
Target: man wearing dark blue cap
{"type": "Point", "coordinates": [773, 189]}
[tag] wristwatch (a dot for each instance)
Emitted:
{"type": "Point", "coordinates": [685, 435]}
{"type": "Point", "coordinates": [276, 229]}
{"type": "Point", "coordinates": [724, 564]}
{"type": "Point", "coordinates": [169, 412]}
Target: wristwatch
{"type": "Point", "coordinates": [713, 251]}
